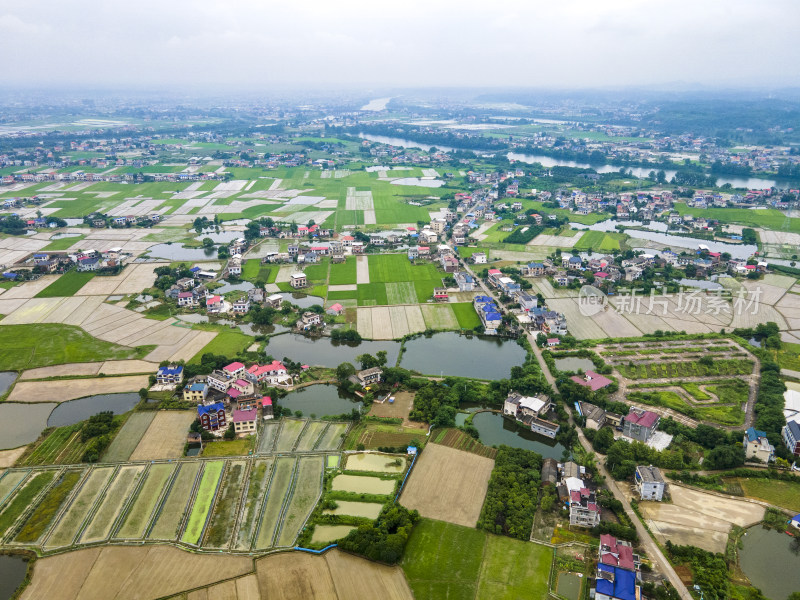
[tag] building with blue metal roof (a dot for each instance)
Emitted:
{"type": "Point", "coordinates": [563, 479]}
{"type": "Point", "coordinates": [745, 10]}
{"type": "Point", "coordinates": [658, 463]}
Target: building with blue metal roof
{"type": "Point", "coordinates": [614, 583]}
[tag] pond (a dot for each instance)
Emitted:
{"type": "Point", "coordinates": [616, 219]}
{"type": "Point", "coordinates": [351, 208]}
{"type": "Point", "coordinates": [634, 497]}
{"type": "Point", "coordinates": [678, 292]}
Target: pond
{"type": "Point", "coordinates": [6, 379]}
{"type": "Point", "coordinates": [377, 463]}
{"type": "Point", "coordinates": [700, 284]}
{"type": "Point", "coordinates": [320, 400]}
{"type": "Point", "coordinates": [326, 353]}
{"type": "Point", "coordinates": [29, 420]}
{"type": "Point", "coordinates": [677, 241]}
{"type": "Point", "coordinates": [241, 286]}
{"type": "Point", "coordinates": [430, 183]}
{"type": "Point", "coordinates": [75, 411]}
{"type": "Point", "coordinates": [179, 252]}
{"type": "Point", "coordinates": [573, 363]}
{"type": "Point", "coordinates": [304, 300]}
{"type": "Point", "coordinates": [479, 357]}
{"type": "Point", "coordinates": [330, 533]}
{"type": "Point", "coordinates": [370, 510]}
{"type": "Point", "coordinates": [60, 236]}
{"type": "Point", "coordinates": [248, 328]}
{"type": "Point", "coordinates": [363, 484]}
{"type": "Point", "coordinates": [223, 237]}
{"type": "Point", "coordinates": [767, 559]}
{"type": "Point", "coordinates": [494, 429]}
{"type": "Point", "coordinates": [12, 574]}
{"type": "Point", "coordinates": [73, 222]}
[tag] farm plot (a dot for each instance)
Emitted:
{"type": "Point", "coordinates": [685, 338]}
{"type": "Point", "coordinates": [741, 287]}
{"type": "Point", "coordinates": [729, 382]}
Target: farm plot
{"type": "Point", "coordinates": [673, 370]}
{"type": "Point", "coordinates": [165, 437]}
{"type": "Point", "coordinates": [257, 484]}
{"type": "Point", "coordinates": [291, 430]}
{"type": "Point", "coordinates": [268, 435]}
{"type": "Point", "coordinates": [333, 437]}
{"type": "Point", "coordinates": [281, 478]}
{"type": "Point", "coordinates": [220, 527]}
{"type": "Point", "coordinates": [344, 273]}
{"type": "Point", "coordinates": [42, 516]}
{"type": "Point", "coordinates": [173, 509]}
{"type": "Point", "coordinates": [375, 463]}
{"type": "Point", "coordinates": [129, 436]}
{"type": "Point", "coordinates": [203, 500]}
{"type": "Point", "coordinates": [138, 517]}
{"type": "Point", "coordinates": [120, 572]}
{"type": "Point", "coordinates": [402, 292]}
{"type": "Point", "coordinates": [22, 498]}
{"type": "Point", "coordinates": [66, 285]}
{"type": "Point", "coordinates": [112, 504]}
{"type": "Point", "coordinates": [448, 485]}
{"type": "Point", "coordinates": [439, 316]}
{"type": "Point", "coordinates": [305, 493]}
{"type": "Point", "coordinates": [361, 484]}
{"type": "Point", "coordinates": [70, 389]}
{"type": "Point", "coordinates": [310, 436]}
{"type": "Point", "coordinates": [9, 482]}
{"type": "Point", "coordinates": [368, 510]}
{"type": "Point", "coordinates": [70, 523]}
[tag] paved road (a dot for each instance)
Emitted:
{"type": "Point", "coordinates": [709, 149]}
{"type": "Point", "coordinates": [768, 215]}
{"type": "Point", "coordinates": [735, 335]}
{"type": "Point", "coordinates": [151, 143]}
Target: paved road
{"type": "Point", "coordinates": [660, 562]}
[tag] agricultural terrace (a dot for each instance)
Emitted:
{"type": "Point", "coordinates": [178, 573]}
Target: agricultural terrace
{"type": "Point", "coordinates": [448, 485]}
{"type": "Point", "coordinates": [443, 560]}
{"type": "Point", "coordinates": [712, 380]}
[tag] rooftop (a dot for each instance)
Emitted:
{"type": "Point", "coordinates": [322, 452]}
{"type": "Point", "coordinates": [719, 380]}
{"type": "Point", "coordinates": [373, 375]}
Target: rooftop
{"type": "Point", "coordinates": [649, 474]}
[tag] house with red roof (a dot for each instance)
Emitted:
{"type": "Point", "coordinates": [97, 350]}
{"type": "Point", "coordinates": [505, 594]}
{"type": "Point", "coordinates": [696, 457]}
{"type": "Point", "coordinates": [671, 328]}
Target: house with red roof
{"type": "Point", "coordinates": [640, 424]}
{"type": "Point", "coordinates": [244, 386]}
{"type": "Point", "coordinates": [335, 309]}
{"type": "Point", "coordinates": [616, 553]}
{"type": "Point", "coordinates": [234, 370]}
{"type": "Point", "coordinates": [273, 373]}
{"type": "Point", "coordinates": [244, 421]}
{"type": "Point", "coordinates": [215, 304]}
{"type": "Point", "coordinates": [592, 380]}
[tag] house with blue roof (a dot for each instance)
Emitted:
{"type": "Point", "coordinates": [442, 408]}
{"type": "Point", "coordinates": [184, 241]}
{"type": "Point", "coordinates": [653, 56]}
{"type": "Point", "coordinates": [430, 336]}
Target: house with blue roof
{"type": "Point", "coordinates": [614, 583]}
{"type": "Point", "coordinates": [791, 437]}
{"type": "Point", "coordinates": [756, 445]}
{"type": "Point", "coordinates": [169, 375]}
{"type": "Point", "coordinates": [212, 416]}
{"type": "Point", "coordinates": [534, 269]}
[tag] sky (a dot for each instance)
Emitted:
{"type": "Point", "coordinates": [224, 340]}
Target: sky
{"type": "Point", "coordinates": [264, 44]}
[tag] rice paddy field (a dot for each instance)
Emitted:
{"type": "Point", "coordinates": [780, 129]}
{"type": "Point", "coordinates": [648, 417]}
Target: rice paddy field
{"type": "Point", "coordinates": [333, 436]}
{"type": "Point", "coordinates": [173, 509]}
{"type": "Point", "coordinates": [112, 504]}
{"type": "Point", "coordinates": [306, 490]}
{"type": "Point", "coordinates": [42, 516]}
{"type": "Point", "coordinates": [290, 432]}
{"type": "Point", "coordinates": [223, 520]}
{"type": "Point", "coordinates": [204, 497]}
{"type": "Point", "coordinates": [268, 435]}
{"type": "Point", "coordinates": [310, 436]}
{"type": "Point", "coordinates": [22, 498]}
{"type": "Point", "coordinates": [69, 525]}
{"type": "Point", "coordinates": [257, 484]}
{"type": "Point", "coordinates": [141, 510]}
{"type": "Point", "coordinates": [278, 488]}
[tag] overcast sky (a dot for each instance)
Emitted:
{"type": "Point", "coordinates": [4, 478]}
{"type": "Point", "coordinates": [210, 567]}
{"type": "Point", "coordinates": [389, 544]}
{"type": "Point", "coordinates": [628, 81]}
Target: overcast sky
{"type": "Point", "coordinates": [261, 44]}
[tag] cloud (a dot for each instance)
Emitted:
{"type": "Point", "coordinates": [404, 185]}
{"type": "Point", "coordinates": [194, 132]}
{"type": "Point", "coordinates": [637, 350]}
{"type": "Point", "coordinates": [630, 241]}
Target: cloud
{"type": "Point", "coordinates": [569, 43]}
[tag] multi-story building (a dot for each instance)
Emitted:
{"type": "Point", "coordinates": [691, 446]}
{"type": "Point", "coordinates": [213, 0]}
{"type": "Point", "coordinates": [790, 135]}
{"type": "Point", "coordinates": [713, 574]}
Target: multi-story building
{"type": "Point", "coordinates": [212, 416]}
{"type": "Point", "coordinates": [791, 437]}
{"type": "Point", "coordinates": [640, 424]}
{"type": "Point", "coordinates": [650, 483]}
{"type": "Point", "coordinates": [756, 445]}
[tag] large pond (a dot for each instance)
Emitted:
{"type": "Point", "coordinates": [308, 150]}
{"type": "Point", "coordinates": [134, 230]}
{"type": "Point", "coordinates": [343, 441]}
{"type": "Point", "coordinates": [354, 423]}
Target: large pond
{"type": "Point", "coordinates": [223, 237]}
{"type": "Point", "coordinates": [248, 328]}
{"type": "Point", "coordinates": [304, 300]}
{"type": "Point", "coordinates": [12, 574]}
{"type": "Point", "coordinates": [479, 357]}
{"type": "Point", "coordinates": [495, 430]}
{"type": "Point", "coordinates": [431, 183]}
{"type": "Point", "coordinates": [768, 561]}
{"type": "Point", "coordinates": [178, 252]}
{"type": "Point", "coordinates": [60, 236]}
{"type": "Point", "coordinates": [6, 379]}
{"type": "Point", "coordinates": [320, 401]}
{"type": "Point", "coordinates": [611, 225]}
{"type": "Point", "coordinates": [227, 286]}
{"type": "Point", "coordinates": [678, 241]}
{"type": "Point", "coordinates": [324, 352]}
{"type": "Point", "coordinates": [22, 422]}
{"type": "Point", "coordinates": [573, 363]}
{"type": "Point", "coordinates": [75, 411]}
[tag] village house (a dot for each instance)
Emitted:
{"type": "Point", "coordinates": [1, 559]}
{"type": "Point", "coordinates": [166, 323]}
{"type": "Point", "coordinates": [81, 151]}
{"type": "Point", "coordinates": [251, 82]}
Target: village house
{"type": "Point", "coordinates": [195, 393]}
{"type": "Point", "coordinates": [266, 408]}
{"type": "Point", "coordinates": [791, 437]}
{"type": "Point", "coordinates": [757, 446]}
{"type": "Point", "coordinates": [241, 306]}
{"type": "Point", "coordinates": [212, 416]}
{"type": "Point", "coordinates": [244, 421]}
{"type": "Point", "coordinates": [464, 281]}
{"type": "Point", "coordinates": [169, 375]}
{"type": "Point", "coordinates": [640, 424]}
{"type": "Point", "coordinates": [187, 299]}
{"type": "Point", "coordinates": [309, 320]}
{"type": "Point", "coordinates": [479, 258]}
{"type": "Point", "coordinates": [298, 280]}
{"type": "Point", "coordinates": [273, 373]}
{"type": "Point", "coordinates": [243, 386]}
{"type": "Point", "coordinates": [649, 483]}
{"type": "Point", "coordinates": [215, 304]}
{"type": "Point", "coordinates": [367, 376]}
{"type": "Point", "coordinates": [488, 312]}
{"type": "Point", "coordinates": [533, 269]}
{"type": "Point", "coordinates": [594, 415]}
{"type": "Point", "coordinates": [274, 301]}
{"type": "Point", "coordinates": [614, 583]}
{"type": "Point", "coordinates": [592, 380]}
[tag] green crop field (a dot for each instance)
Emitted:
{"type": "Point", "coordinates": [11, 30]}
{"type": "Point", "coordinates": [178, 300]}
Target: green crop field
{"type": "Point", "coordinates": [45, 344]}
{"type": "Point", "coordinates": [202, 502]}
{"type": "Point", "coordinates": [62, 446]}
{"type": "Point", "coordinates": [372, 294]}
{"type": "Point", "coordinates": [343, 273]}
{"type": "Point", "coordinates": [785, 494]}
{"type": "Point", "coordinates": [454, 562]}
{"type": "Point", "coordinates": [220, 526]}
{"type": "Point", "coordinates": [226, 343]}
{"type": "Point", "coordinates": [686, 369]}
{"type": "Point", "coordinates": [66, 285]}
{"type": "Point", "coordinates": [401, 293]}
{"type": "Point", "coordinates": [768, 218]}
{"type": "Point", "coordinates": [135, 523]}
{"type": "Point", "coordinates": [174, 507]}
{"type": "Point", "coordinates": [23, 499]}
{"type": "Point", "coordinates": [466, 315]}
{"type": "Point", "coordinates": [128, 437]}
{"type": "Point", "coordinates": [253, 271]}
{"type": "Point", "coordinates": [257, 484]}
{"type": "Point", "coordinates": [281, 478]}
{"type": "Point", "coordinates": [599, 241]}
{"type": "Point", "coordinates": [307, 487]}
{"type": "Point", "coordinates": [63, 243]}
{"type": "Point", "coordinates": [43, 514]}
{"type": "Point", "coordinates": [388, 268]}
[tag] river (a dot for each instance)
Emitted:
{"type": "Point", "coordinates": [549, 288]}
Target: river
{"type": "Point", "coordinates": [377, 104]}
{"type": "Point", "coordinates": [768, 561]}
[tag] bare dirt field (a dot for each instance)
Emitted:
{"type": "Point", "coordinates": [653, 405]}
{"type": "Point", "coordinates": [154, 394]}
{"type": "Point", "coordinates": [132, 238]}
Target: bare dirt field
{"type": "Point", "coordinates": [62, 390]}
{"type": "Point", "coordinates": [698, 518]}
{"type": "Point", "coordinates": [399, 409]}
{"type": "Point", "coordinates": [448, 485]}
{"type": "Point", "coordinates": [338, 576]}
{"type": "Point", "coordinates": [165, 437]}
{"type": "Point", "coordinates": [141, 573]}
{"type": "Point", "coordinates": [362, 269]}
{"type": "Point", "coordinates": [9, 457]}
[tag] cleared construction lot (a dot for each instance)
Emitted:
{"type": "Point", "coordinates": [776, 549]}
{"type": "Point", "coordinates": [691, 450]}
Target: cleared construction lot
{"type": "Point", "coordinates": [448, 485]}
{"type": "Point", "coordinates": [165, 437]}
{"type": "Point", "coordinates": [62, 390]}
